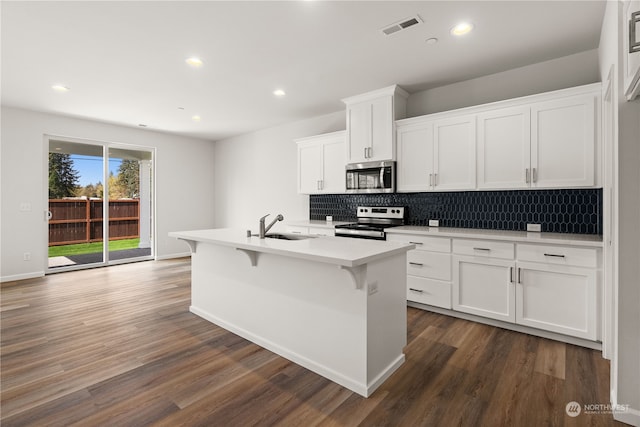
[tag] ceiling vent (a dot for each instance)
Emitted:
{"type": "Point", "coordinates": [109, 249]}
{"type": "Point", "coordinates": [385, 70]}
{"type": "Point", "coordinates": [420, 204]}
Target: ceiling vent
{"type": "Point", "coordinates": [402, 25]}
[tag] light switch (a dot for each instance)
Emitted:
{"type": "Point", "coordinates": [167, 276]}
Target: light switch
{"type": "Point", "coordinates": [25, 207]}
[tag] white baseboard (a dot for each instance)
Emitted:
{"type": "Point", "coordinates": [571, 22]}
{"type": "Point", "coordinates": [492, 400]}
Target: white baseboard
{"type": "Point", "coordinates": [173, 256]}
{"type": "Point", "coordinates": [24, 276]}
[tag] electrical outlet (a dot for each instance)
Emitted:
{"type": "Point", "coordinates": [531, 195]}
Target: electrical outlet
{"type": "Point", "coordinates": [329, 218]}
{"type": "Point", "coordinates": [26, 256]}
{"type": "Point", "coordinates": [25, 207]}
{"type": "Point", "coordinates": [434, 223]}
{"type": "Point", "coordinates": [534, 227]}
{"type": "Point", "coordinates": [373, 288]}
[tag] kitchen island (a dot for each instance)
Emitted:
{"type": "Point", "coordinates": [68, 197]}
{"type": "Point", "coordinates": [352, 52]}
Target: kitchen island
{"type": "Point", "coordinates": [336, 306]}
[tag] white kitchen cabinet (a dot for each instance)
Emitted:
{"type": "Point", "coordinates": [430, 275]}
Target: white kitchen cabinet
{"type": "Point", "coordinates": [504, 148]}
{"type": "Point", "coordinates": [631, 48]}
{"type": "Point", "coordinates": [428, 269]}
{"type": "Point", "coordinates": [558, 298]}
{"type": "Point", "coordinates": [484, 286]}
{"type": "Point", "coordinates": [370, 124]}
{"type": "Point", "coordinates": [321, 163]}
{"type": "Point", "coordinates": [414, 170]}
{"type": "Point", "coordinates": [437, 155]}
{"type": "Point", "coordinates": [454, 142]}
{"type": "Point", "coordinates": [563, 142]}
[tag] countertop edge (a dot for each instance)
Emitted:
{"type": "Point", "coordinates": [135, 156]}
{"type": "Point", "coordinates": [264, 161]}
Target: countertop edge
{"type": "Point", "coordinates": [353, 262]}
{"type": "Point", "coordinates": [512, 236]}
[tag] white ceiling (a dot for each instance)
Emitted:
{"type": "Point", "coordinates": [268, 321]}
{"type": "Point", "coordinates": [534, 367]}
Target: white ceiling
{"type": "Point", "coordinates": [124, 62]}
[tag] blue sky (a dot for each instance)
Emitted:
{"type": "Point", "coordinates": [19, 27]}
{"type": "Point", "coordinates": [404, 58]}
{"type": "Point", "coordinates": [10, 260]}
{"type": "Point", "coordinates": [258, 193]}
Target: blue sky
{"type": "Point", "coordinates": [90, 168]}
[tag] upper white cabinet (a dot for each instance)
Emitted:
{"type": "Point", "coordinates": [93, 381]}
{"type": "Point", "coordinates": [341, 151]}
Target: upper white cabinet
{"type": "Point", "coordinates": [370, 124]}
{"type": "Point", "coordinates": [321, 161]}
{"type": "Point", "coordinates": [436, 155]}
{"type": "Point", "coordinates": [504, 148]}
{"type": "Point", "coordinates": [631, 45]}
{"type": "Point", "coordinates": [454, 142]}
{"type": "Point", "coordinates": [541, 141]}
{"type": "Point", "coordinates": [415, 157]}
{"type": "Point", "coordinates": [563, 135]}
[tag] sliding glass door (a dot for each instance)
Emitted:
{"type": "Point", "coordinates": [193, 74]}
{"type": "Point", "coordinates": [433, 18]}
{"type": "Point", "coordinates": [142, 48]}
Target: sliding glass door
{"type": "Point", "coordinates": [100, 204]}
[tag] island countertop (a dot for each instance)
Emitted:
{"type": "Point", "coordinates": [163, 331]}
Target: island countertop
{"type": "Point", "coordinates": [326, 249]}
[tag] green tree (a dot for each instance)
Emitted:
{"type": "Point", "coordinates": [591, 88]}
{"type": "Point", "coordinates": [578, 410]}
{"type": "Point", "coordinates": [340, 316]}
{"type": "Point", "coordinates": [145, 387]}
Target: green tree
{"type": "Point", "coordinates": [63, 178]}
{"type": "Point", "coordinates": [129, 179]}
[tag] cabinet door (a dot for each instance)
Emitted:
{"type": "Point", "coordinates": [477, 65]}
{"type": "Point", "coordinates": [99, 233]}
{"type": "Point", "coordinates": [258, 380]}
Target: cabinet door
{"type": "Point", "coordinates": [563, 142]}
{"type": "Point", "coordinates": [333, 163]}
{"type": "Point", "coordinates": [455, 153]}
{"type": "Point", "coordinates": [382, 129]}
{"type": "Point", "coordinates": [557, 298]}
{"type": "Point", "coordinates": [484, 287]}
{"type": "Point", "coordinates": [309, 167]}
{"type": "Point", "coordinates": [504, 141]}
{"type": "Point", "coordinates": [358, 131]}
{"type": "Point", "coordinates": [415, 157]}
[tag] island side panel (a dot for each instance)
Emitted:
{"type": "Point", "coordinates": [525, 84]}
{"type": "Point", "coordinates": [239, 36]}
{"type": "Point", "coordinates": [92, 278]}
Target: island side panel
{"type": "Point", "coordinates": [386, 317]}
{"type": "Point", "coordinates": [309, 312]}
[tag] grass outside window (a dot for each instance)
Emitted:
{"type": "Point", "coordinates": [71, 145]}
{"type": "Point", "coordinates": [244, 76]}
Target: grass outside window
{"type": "Point", "coordinates": [91, 248]}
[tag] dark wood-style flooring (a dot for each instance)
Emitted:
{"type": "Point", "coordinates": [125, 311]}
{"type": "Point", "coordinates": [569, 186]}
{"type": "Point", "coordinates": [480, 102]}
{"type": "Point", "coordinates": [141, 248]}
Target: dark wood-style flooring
{"type": "Point", "coordinates": [118, 346]}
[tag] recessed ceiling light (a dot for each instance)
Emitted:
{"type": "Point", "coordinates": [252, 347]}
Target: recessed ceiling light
{"type": "Point", "coordinates": [60, 88]}
{"type": "Point", "coordinates": [279, 93]}
{"type": "Point", "coordinates": [142, 125]}
{"type": "Point", "coordinates": [180, 108]}
{"type": "Point", "coordinates": [194, 62]}
{"type": "Point", "coordinates": [461, 29]}
{"type": "Point", "coordinates": [195, 118]}
{"type": "Point", "coordinates": [432, 40]}
{"type": "Point", "coordinates": [58, 148]}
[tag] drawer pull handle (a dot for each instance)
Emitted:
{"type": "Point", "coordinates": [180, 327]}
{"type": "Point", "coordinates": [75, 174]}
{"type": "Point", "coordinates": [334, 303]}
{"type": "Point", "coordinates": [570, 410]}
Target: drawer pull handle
{"type": "Point", "coordinates": [416, 243]}
{"type": "Point", "coordinates": [420, 291]}
{"type": "Point", "coordinates": [416, 263]}
{"type": "Point", "coordinates": [481, 249]}
{"type": "Point", "coordinates": [554, 255]}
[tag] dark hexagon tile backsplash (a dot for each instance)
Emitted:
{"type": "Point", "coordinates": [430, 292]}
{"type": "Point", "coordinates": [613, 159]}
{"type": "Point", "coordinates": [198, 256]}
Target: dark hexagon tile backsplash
{"type": "Point", "coordinates": [559, 211]}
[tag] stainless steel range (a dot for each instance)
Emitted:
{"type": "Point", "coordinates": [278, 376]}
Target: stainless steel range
{"type": "Point", "coordinates": [372, 221]}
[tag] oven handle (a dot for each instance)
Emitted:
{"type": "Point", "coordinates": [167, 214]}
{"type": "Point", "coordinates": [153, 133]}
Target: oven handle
{"type": "Point", "coordinates": [382, 177]}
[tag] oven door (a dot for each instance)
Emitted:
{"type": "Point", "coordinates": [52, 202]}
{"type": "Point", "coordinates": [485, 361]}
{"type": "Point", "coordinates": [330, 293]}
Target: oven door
{"type": "Point", "coordinates": [371, 177]}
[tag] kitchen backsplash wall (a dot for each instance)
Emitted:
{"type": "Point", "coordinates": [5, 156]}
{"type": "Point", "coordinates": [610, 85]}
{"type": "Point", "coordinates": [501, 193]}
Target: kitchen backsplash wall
{"type": "Point", "coordinates": [559, 211]}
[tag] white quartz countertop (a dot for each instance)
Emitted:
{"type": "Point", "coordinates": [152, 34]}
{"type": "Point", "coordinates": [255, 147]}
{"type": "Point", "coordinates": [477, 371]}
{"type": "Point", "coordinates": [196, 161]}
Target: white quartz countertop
{"type": "Point", "coordinates": [588, 240]}
{"type": "Point", "coordinates": [327, 249]}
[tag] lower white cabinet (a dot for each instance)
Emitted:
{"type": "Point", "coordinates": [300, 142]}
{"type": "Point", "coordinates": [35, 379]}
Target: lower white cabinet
{"type": "Point", "coordinates": [428, 269]}
{"type": "Point", "coordinates": [484, 287]}
{"type": "Point", "coordinates": [558, 298]}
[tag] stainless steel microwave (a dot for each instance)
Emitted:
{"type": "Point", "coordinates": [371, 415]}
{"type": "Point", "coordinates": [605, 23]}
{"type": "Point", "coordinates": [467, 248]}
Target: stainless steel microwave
{"type": "Point", "coordinates": [371, 177]}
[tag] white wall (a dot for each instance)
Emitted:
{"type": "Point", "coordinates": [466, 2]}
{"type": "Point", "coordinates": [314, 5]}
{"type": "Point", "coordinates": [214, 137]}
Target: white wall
{"type": "Point", "coordinates": [184, 184]}
{"type": "Point", "coordinates": [573, 70]}
{"type": "Point", "coordinates": [255, 174]}
{"type": "Point", "coordinates": [625, 362]}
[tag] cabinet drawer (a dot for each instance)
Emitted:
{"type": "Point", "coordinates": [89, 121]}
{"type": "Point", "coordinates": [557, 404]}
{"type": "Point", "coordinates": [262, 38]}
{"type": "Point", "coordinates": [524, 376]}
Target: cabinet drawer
{"type": "Point", "coordinates": [484, 248]}
{"type": "Point", "coordinates": [423, 243]}
{"type": "Point", "coordinates": [434, 265]}
{"type": "Point", "coordinates": [561, 255]}
{"type": "Point", "coordinates": [427, 291]}
{"type": "Point", "coordinates": [322, 231]}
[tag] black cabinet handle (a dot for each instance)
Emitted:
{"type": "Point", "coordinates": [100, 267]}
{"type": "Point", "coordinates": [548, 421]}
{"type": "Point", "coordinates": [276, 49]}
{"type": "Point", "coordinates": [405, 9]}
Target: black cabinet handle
{"type": "Point", "coordinates": [554, 255]}
{"type": "Point", "coordinates": [416, 290]}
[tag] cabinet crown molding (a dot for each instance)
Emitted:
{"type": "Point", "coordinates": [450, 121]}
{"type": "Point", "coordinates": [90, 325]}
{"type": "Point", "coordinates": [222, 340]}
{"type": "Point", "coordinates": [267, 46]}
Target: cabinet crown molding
{"type": "Point", "coordinates": [393, 90]}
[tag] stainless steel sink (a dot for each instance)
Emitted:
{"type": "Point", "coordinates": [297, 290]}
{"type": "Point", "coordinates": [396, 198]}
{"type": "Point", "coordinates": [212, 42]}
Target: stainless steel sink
{"type": "Point", "coordinates": [287, 236]}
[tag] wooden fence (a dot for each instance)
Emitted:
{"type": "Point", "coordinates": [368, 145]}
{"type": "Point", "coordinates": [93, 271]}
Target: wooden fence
{"type": "Point", "coordinates": [80, 220]}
